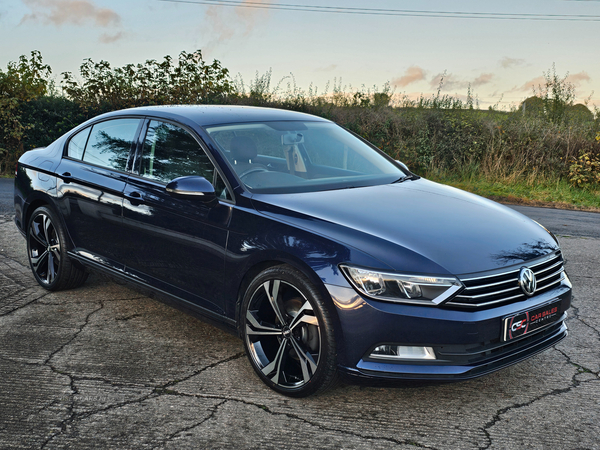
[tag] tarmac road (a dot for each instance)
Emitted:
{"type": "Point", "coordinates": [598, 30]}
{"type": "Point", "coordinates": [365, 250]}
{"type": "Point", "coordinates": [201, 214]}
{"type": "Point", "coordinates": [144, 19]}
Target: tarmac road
{"type": "Point", "coordinates": [7, 205]}
{"type": "Point", "coordinates": [564, 222]}
{"type": "Point", "coordinates": [105, 367]}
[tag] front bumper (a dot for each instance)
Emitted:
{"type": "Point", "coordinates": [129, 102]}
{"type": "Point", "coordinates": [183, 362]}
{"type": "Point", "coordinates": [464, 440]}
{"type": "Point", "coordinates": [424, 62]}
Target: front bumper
{"type": "Point", "coordinates": [467, 344]}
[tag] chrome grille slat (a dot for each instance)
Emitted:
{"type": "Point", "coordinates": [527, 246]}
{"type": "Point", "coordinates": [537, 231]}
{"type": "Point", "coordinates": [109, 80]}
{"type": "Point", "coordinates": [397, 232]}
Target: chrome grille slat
{"type": "Point", "coordinates": [558, 264]}
{"type": "Point", "coordinates": [478, 305]}
{"type": "Point", "coordinates": [551, 275]}
{"type": "Point", "coordinates": [485, 286]}
{"type": "Point", "coordinates": [489, 294]}
{"type": "Point", "coordinates": [551, 284]}
{"type": "Point", "coordinates": [494, 276]}
{"type": "Point", "coordinates": [500, 288]}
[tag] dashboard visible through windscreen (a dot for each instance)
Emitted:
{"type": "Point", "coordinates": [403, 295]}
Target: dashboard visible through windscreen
{"type": "Point", "coordinates": [282, 157]}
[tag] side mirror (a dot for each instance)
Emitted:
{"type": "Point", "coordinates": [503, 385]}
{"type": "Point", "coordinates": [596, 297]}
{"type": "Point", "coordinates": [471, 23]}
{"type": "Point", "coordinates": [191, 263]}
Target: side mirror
{"type": "Point", "coordinates": [404, 166]}
{"type": "Point", "coordinates": [192, 187]}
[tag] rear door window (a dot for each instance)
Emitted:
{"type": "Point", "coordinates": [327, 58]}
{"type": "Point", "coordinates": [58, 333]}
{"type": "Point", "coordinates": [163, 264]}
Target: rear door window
{"type": "Point", "coordinates": [110, 143]}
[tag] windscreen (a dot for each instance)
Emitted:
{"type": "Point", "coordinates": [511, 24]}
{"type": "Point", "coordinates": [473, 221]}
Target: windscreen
{"type": "Point", "coordinates": [280, 157]}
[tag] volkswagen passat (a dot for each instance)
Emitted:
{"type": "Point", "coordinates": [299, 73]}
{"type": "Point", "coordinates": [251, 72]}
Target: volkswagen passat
{"type": "Point", "coordinates": [325, 256]}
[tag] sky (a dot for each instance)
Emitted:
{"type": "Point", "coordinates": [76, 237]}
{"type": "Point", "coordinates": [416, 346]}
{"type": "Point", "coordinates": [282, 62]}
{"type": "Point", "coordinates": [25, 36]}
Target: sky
{"type": "Point", "coordinates": [500, 51]}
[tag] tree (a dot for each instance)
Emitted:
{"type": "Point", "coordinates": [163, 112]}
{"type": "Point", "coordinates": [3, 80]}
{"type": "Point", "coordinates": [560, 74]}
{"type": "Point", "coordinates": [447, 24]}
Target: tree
{"type": "Point", "coordinates": [189, 80]}
{"type": "Point", "coordinates": [557, 95]}
{"type": "Point", "coordinates": [23, 81]}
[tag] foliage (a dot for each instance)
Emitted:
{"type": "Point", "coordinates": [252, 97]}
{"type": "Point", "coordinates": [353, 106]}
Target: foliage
{"type": "Point", "coordinates": [23, 82]}
{"type": "Point", "coordinates": [548, 137]}
{"type": "Point", "coordinates": [189, 80]}
{"type": "Point", "coordinates": [48, 118]}
{"type": "Point", "coordinates": [585, 170]}
{"type": "Point", "coordinates": [554, 100]}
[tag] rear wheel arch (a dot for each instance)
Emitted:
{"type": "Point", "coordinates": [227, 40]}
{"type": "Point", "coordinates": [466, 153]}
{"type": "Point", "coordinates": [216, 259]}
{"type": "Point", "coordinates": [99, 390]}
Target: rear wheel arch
{"type": "Point", "coordinates": [31, 207]}
{"type": "Point", "coordinates": [39, 201]}
{"type": "Point", "coordinates": [47, 247]}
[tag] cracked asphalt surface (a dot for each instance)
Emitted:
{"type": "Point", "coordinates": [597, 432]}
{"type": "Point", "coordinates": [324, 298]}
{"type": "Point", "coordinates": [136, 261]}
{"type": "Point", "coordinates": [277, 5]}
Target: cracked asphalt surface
{"type": "Point", "coordinates": [105, 367]}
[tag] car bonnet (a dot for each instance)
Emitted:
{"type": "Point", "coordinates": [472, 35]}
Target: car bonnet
{"type": "Point", "coordinates": [458, 231]}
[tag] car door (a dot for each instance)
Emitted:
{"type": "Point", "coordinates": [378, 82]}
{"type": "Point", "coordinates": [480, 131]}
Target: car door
{"type": "Point", "coordinates": [176, 244]}
{"type": "Point", "coordinates": [92, 177]}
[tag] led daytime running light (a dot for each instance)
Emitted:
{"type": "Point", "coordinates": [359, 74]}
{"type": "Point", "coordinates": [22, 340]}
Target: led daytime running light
{"type": "Point", "coordinates": [415, 289]}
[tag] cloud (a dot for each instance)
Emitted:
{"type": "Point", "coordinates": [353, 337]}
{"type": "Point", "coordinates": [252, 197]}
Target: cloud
{"type": "Point", "coordinates": [74, 12]}
{"type": "Point", "coordinates": [507, 62]}
{"type": "Point", "coordinates": [449, 82]}
{"type": "Point", "coordinates": [106, 38]}
{"type": "Point", "coordinates": [530, 85]}
{"type": "Point", "coordinates": [578, 78]}
{"type": "Point", "coordinates": [412, 75]}
{"type": "Point", "coordinates": [482, 79]}
{"type": "Point", "coordinates": [226, 23]}
{"type": "Point", "coordinates": [329, 68]}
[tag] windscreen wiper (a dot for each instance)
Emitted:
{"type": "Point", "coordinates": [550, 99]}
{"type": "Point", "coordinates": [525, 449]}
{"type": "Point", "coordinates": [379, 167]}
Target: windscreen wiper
{"type": "Point", "coordinates": [410, 177]}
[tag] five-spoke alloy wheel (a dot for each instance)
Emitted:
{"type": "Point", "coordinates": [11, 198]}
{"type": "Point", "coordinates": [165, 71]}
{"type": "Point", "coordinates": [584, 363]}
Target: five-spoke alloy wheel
{"type": "Point", "coordinates": [288, 333]}
{"type": "Point", "coordinates": [46, 250]}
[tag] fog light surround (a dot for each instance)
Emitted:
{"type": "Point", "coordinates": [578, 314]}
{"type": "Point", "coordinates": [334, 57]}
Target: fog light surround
{"type": "Point", "coordinates": [402, 352]}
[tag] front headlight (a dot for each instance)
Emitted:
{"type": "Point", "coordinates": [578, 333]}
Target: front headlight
{"type": "Point", "coordinates": [393, 287]}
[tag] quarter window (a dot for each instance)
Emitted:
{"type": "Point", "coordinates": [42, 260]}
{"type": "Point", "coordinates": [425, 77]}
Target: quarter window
{"type": "Point", "coordinates": [77, 144]}
{"type": "Point", "coordinates": [110, 143]}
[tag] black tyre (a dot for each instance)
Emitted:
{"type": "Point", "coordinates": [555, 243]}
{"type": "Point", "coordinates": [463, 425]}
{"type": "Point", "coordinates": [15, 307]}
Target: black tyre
{"type": "Point", "coordinates": [288, 333]}
{"type": "Point", "coordinates": [47, 252]}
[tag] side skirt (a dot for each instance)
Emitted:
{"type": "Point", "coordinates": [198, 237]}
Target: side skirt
{"type": "Point", "coordinates": [221, 322]}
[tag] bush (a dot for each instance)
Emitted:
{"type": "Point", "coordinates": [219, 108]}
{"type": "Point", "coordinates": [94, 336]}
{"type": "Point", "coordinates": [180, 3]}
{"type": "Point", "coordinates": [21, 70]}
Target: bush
{"type": "Point", "coordinates": [22, 83]}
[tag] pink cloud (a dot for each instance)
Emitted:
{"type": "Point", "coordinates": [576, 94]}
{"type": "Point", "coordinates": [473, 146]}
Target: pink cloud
{"type": "Point", "coordinates": [412, 75]}
{"type": "Point", "coordinates": [225, 23]}
{"type": "Point", "coordinates": [482, 79]}
{"type": "Point", "coordinates": [74, 12]}
{"type": "Point", "coordinates": [578, 78]}
{"type": "Point", "coordinates": [534, 83]}
{"type": "Point", "coordinates": [449, 82]}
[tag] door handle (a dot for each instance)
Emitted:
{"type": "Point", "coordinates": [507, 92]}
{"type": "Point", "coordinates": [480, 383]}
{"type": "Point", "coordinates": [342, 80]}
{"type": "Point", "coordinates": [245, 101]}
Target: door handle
{"type": "Point", "coordinates": [67, 177]}
{"type": "Point", "coordinates": [135, 198]}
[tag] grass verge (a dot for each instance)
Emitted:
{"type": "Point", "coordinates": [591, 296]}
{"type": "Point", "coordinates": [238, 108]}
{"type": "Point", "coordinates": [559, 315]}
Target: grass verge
{"type": "Point", "coordinates": [544, 192]}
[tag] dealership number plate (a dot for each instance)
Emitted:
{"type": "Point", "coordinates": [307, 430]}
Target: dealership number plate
{"type": "Point", "coordinates": [532, 320]}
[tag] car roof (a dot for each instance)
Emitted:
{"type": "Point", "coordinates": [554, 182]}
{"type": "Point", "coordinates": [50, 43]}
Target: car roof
{"type": "Point", "coordinates": [206, 115]}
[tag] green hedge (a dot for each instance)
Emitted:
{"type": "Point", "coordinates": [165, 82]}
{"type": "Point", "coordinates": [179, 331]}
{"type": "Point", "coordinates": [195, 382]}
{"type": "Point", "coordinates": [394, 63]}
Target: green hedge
{"type": "Point", "coordinates": [549, 136]}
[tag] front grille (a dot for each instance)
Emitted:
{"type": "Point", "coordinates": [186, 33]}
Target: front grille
{"type": "Point", "coordinates": [504, 287]}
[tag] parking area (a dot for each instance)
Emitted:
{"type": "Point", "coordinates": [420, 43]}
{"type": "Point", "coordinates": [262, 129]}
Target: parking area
{"type": "Point", "coordinates": [103, 366]}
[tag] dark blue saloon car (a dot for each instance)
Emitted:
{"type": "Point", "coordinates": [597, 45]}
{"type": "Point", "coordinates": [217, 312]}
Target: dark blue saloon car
{"type": "Point", "coordinates": [322, 253]}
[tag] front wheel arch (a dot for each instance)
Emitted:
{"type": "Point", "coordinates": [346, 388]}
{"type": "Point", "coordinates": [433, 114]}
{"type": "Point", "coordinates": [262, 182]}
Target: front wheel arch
{"type": "Point", "coordinates": [306, 270]}
{"type": "Point", "coordinates": [288, 332]}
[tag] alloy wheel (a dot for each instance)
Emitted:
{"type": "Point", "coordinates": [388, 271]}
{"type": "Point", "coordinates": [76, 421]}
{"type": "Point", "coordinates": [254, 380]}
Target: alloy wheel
{"type": "Point", "coordinates": [44, 248]}
{"type": "Point", "coordinates": [283, 335]}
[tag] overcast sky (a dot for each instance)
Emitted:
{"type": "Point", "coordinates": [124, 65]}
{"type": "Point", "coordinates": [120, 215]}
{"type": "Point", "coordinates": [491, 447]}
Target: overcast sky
{"type": "Point", "coordinates": [500, 57]}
